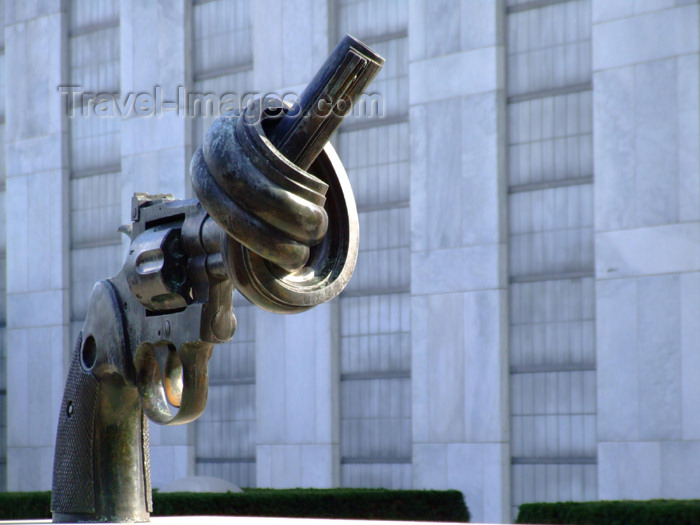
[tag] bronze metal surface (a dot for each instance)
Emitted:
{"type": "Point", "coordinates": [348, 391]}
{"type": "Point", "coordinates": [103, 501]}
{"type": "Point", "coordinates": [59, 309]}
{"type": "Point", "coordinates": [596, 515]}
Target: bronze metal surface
{"type": "Point", "coordinates": [281, 226]}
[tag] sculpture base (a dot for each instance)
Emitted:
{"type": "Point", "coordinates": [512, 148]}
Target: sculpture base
{"type": "Point", "coordinates": [245, 520]}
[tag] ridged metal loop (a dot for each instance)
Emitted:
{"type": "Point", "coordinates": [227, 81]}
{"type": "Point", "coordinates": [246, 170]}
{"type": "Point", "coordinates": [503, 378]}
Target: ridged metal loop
{"type": "Point", "coordinates": [292, 235]}
{"type": "Point", "coordinates": [259, 198]}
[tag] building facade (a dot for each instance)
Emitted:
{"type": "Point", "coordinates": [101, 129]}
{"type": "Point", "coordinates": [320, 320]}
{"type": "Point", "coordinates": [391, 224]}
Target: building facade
{"type": "Point", "coordinates": [522, 324]}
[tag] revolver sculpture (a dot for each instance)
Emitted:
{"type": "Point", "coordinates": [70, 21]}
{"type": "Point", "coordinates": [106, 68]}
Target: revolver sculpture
{"type": "Point", "coordinates": [275, 218]}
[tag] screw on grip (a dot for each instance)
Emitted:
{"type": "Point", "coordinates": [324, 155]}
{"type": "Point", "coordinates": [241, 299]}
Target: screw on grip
{"type": "Point", "coordinates": [291, 235]}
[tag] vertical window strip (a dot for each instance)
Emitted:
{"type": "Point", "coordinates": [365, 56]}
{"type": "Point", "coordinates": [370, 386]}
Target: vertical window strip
{"type": "Point", "coordinates": [95, 144]}
{"type": "Point", "coordinates": [552, 340]}
{"type": "Point", "coordinates": [222, 63]}
{"type": "Point", "coordinates": [375, 308]}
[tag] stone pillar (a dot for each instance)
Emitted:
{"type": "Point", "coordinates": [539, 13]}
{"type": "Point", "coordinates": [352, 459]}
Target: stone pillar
{"type": "Point", "coordinates": [458, 205]}
{"type": "Point", "coordinates": [155, 57]}
{"type": "Point", "coordinates": [297, 399]}
{"type": "Point", "coordinates": [647, 244]}
{"type": "Point", "coordinates": [296, 356]}
{"type": "Point", "coordinates": [286, 58]}
{"type": "Point", "coordinates": [154, 54]}
{"type": "Point", "coordinates": [37, 233]}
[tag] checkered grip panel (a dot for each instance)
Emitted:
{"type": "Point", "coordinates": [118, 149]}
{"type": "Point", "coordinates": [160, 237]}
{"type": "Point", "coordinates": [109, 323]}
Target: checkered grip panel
{"type": "Point", "coordinates": [73, 485]}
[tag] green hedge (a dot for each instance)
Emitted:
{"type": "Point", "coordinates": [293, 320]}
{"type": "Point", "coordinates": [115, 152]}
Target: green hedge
{"type": "Point", "coordinates": [409, 505]}
{"type": "Point", "coordinates": [651, 512]}
{"type": "Point", "coordinates": [25, 505]}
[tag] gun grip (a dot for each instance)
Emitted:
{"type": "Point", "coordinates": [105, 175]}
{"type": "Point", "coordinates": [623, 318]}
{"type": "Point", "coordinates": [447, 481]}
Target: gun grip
{"type": "Point", "coordinates": [84, 474]}
{"type": "Point", "coordinates": [73, 484]}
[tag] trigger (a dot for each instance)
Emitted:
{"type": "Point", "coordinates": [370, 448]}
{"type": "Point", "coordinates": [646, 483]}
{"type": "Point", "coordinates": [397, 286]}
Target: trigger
{"type": "Point", "coordinates": [172, 378]}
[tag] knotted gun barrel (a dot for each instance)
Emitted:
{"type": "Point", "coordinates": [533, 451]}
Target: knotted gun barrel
{"type": "Point", "coordinates": [251, 176]}
{"type": "Point", "coordinates": [275, 219]}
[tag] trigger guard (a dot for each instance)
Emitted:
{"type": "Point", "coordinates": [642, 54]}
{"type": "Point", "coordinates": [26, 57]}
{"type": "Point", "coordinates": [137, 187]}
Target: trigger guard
{"type": "Point", "coordinates": [195, 383]}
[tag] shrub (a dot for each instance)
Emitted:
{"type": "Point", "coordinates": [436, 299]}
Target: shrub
{"type": "Point", "coordinates": [409, 505]}
{"type": "Point", "coordinates": [651, 512]}
{"type": "Point", "coordinates": [25, 505]}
